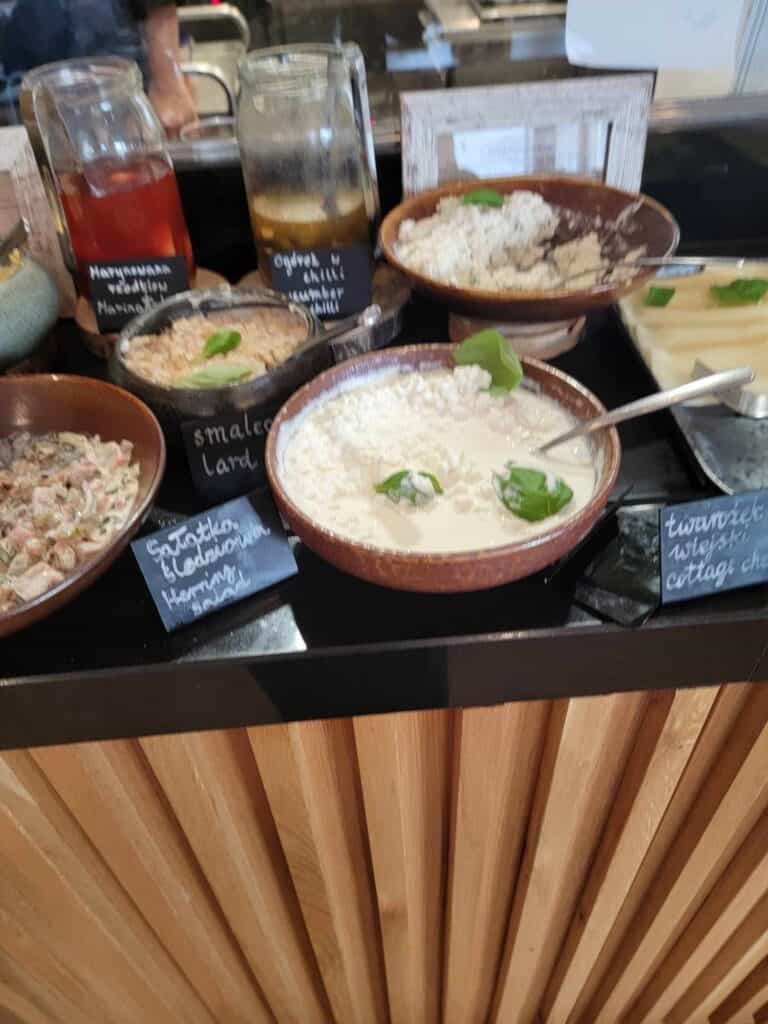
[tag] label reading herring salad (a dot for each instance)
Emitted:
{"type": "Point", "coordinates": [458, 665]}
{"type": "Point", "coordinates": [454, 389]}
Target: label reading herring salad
{"type": "Point", "coordinates": [214, 559]}
{"type": "Point", "coordinates": [333, 282]}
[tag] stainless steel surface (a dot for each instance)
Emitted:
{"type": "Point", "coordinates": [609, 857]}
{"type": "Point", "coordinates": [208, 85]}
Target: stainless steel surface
{"type": "Point", "coordinates": [216, 15]}
{"type": "Point", "coordinates": [200, 69]}
{"type": "Point", "coordinates": [753, 404]}
{"type": "Point", "coordinates": [705, 386]}
{"type": "Point", "coordinates": [501, 11]}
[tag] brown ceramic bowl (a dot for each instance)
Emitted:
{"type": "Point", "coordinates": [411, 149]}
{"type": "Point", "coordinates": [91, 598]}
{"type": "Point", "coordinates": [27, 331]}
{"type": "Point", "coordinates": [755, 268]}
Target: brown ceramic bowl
{"type": "Point", "coordinates": [457, 571]}
{"type": "Point", "coordinates": [651, 225]}
{"type": "Point", "coordinates": [53, 402]}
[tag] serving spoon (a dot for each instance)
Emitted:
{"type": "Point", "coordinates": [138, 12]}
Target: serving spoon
{"type": "Point", "coordinates": [728, 380]}
{"type": "Point", "coordinates": [668, 266]}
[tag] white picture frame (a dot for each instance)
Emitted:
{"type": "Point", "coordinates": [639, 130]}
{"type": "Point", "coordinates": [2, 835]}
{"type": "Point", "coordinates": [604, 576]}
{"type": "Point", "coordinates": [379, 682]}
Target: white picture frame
{"type": "Point", "coordinates": [593, 127]}
{"type": "Point", "coordinates": [22, 197]}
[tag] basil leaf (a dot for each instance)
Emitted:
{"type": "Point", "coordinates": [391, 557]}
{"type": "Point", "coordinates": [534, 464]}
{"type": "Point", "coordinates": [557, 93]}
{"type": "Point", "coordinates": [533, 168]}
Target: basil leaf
{"type": "Point", "coordinates": [220, 342]}
{"type": "Point", "coordinates": [417, 487]}
{"type": "Point", "coordinates": [216, 376]}
{"type": "Point", "coordinates": [483, 197]}
{"type": "Point", "coordinates": [491, 350]}
{"type": "Point", "coordinates": [746, 291]}
{"type": "Point", "coordinates": [656, 296]}
{"type": "Point", "coordinates": [527, 494]}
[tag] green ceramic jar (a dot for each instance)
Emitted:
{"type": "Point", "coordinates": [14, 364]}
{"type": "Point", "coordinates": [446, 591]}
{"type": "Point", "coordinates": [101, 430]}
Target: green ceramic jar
{"type": "Point", "coordinates": [29, 306]}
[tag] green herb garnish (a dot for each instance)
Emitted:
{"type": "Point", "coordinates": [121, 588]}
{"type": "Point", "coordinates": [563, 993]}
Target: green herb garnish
{"type": "Point", "coordinates": [483, 197]}
{"type": "Point", "coordinates": [415, 486]}
{"type": "Point", "coordinates": [527, 492]}
{"type": "Point", "coordinates": [215, 376]}
{"type": "Point", "coordinates": [747, 291]}
{"type": "Point", "coordinates": [491, 350]}
{"type": "Point", "coordinates": [656, 296]}
{"type": "Point", "coordinates": [220, 343]}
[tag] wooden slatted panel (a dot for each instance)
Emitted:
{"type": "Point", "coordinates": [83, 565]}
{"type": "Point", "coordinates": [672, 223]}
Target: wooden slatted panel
{"type": "Point", "coordinates": [212, 784]}
{"type": "Point", "coordinates": [584, 756]}
{"type": "Point", "coordinates": [746, 999]}
{"type": "Point", "coordinates": [672, 723]}
{"type": "Point", "coordinates": [728, 705]}
{"type": "Point", "coordinates": [30, 1000]}
{"type": "Point", "coordinates": [761, 1015]}
{"type": "Point", "coordinates": [641, 824]}
{"type": "Point", "coordinates": [57, 894]}
{"type": "Point", "coordinates": [732, 798]}
{"type": "Point", "coordinates": [112, 792]}
{"type": "Point", "coordinates": [311, 777]}
{"type": "Point", "coordinates": [497, 754]}
{"type": "Point", "coordinates": [727, 969]}
{"type": "Point", "coordinates": [404, 772]}
{"type": "Point", "coordinates": [738, 889]}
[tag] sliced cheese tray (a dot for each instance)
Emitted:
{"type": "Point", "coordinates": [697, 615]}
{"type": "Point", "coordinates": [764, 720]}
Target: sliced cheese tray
{"type": "Point", "coordinates": [717, 318]}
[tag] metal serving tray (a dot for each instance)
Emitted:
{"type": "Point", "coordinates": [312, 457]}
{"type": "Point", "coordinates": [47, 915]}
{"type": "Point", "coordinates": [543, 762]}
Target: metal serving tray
{"type": "Point", "coordinates": [731, 450]}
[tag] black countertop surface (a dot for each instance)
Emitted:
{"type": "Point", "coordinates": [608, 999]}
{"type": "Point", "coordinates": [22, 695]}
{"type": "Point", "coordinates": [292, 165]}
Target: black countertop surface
{"type": "Point", "coordinates": [324, 644]}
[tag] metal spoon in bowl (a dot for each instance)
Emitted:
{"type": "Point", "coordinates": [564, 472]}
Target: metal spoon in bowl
{"type": "Point", "coordinates": [666, 266]}
{"type": "Point", "coordinates": [728, 380]}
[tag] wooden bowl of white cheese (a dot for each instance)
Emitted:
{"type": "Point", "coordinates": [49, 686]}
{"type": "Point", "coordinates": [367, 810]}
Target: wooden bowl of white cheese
{"type": "Point", "coordinates": [357, 426]}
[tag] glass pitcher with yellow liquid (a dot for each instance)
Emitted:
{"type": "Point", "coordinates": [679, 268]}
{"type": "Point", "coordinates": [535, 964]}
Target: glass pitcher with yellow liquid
{"type": "Point", "coordinates": [310, 175]}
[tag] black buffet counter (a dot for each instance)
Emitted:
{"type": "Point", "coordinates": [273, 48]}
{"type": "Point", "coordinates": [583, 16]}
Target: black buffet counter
{"type": "Point", "coordinates": [326, 645]}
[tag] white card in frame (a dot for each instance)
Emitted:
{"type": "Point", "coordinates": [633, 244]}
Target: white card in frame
{"type": "Point", "coordinates": [593, 126]}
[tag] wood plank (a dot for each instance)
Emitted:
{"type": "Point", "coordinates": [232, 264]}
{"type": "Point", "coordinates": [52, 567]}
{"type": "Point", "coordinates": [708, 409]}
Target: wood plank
{"type": "Point", "coordinates": [761, 1015]}
{"type": "Point", "coordinates": [728, 968]}
{"type": "Point", "coordinates": [671, 725]}
{"type": "Point", "coordinates": [404, 774]}
{"type": "Point", "coordinates": [731, 800]}
{"type": "Point", "coordinates": [111, 790]}
{"type": "Point", "coordinates": [587, 744]}
{"type": "Point", "coordinates": [310, 774]}
{"type": "Point", "coordinates": [497, 755]}
{"type": "Point", "coordinates": [214, 788]}
{"type": "Point", "coordinates": [734, 895]}
{"type": "Point", "coordinates": [746, 999]}
{"type": "Point", "coordinates": [729, 704]}
{"type": "Point", "coordinates": [29, 1000]}
{"type": "Point", "coordinates": [56, 894]}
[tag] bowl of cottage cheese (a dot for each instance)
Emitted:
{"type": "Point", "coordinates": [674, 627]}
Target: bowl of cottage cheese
{"type": "Point", "coordinates": [536, 248]}
{"type": "Point", "coordinates": [410, 471]}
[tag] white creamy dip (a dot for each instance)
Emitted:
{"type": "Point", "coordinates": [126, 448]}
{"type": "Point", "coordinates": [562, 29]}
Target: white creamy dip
{"type": "Point", "coordinates": [443, 422]}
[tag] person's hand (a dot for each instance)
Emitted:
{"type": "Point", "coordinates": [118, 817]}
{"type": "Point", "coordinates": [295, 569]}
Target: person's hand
{"type": "Point", "coordinates": [173, 101]}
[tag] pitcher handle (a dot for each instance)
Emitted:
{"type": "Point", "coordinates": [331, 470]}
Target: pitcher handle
{"type": "Point", "coordinates": [356, 64]}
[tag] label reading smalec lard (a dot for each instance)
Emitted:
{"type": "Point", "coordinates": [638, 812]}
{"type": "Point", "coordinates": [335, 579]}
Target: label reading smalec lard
{"type": "Point", "coordinates": [226, 452]}
{"type": "Point", "coordinates": [121, 290]}
{"type": "Point", "coordinates": [714, 545]}
{"type": "Point", "coordinates": [333, 282]}
{"type": "Point", "coordinates": [214, 559]}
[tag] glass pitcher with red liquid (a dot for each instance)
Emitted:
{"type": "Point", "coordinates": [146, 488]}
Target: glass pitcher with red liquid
{"type": "Point", "coordinates": [108, 155]}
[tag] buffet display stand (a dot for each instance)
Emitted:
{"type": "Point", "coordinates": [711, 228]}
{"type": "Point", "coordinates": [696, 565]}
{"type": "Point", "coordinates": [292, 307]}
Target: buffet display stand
{"type": "Point", "coordinates": [337, 803]}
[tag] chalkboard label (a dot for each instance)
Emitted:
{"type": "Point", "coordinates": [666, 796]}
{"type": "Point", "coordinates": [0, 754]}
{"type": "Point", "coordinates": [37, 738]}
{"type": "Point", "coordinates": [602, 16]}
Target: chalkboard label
{"type": "Point", "coordinates": [214, 559]}
{"type": "Point", "coordinates": [121, 290]}
{"type": "Point", "coordinates": [332, 282]}
{"type": "Point", "coordinates": [714, 545]}
{"type": "Point", "coordinates": [226, 452]}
